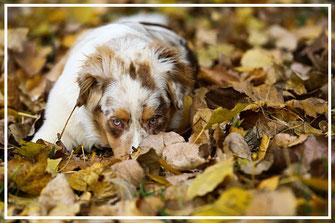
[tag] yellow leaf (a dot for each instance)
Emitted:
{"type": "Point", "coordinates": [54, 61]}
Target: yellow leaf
{"type": "Point", "coordinates": [30, 149]}
{"type": "Point", "coordinates": [257, 38]}
{"type": "Point", "coordinates": [28, 176]}
{"type": "Point", "coordinates": [52, 165]}
{"type": "Point", "coordinates": [82, 179]}
{"type": "Point", "coordinates": [256, 58]}
{"type": "Point", "coordinates": [238, 130]}
{"type": "Point", "coordinates": [269, 183]}
{"type": "Point", "coordinates": [58, 15]}
{"type": "Point", "coordinates": [263, 147]}
{"type": "Point", "coordinates": [168, 167]}
{"type": "Point", "coordinates": [312, 106]}
{"type": "Point", "coordinates": [269, 95]}
{"type": "Point", "coordinates": [211, 178]}
{"type": "Point", "coordinates": [297, 85]}
{"type": "Point", "coordinates": [159, 179]}
{"type": "Point", "coordinates": [233, 202]}
{"type": "Point", "coordinates": [222, 114]}
{"type": "Point", "coordinates": [69, 40]}
{"type": "Point", "coordinates": [318, 183]}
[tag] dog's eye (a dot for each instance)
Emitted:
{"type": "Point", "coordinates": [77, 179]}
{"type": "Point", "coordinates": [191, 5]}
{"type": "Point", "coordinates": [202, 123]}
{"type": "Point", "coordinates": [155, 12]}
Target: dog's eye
{"type": "Point", "coordinates": [153, 121]}
{"type": "Point", "coordinates": [117, 123]}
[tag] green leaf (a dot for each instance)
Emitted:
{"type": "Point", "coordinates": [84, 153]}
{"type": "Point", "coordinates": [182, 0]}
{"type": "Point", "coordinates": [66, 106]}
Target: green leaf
{"type": "Point", "coordinates": [222, 114]}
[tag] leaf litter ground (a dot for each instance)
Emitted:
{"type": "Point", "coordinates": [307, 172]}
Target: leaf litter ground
{"type": "Point", "coordinates": [253, 139]}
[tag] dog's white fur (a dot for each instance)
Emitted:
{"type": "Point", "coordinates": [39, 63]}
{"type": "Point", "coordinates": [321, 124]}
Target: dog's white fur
{"type": "Point", "coordinates": [128, 39]}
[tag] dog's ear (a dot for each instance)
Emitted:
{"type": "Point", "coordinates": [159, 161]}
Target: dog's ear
{"type": "Point", "coordinates": [180, 79]}
{"type": "Point", "coordinates": [91, 90]}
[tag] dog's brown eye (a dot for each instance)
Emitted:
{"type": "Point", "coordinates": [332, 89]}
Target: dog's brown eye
{"type": "Point", "coordinates": [117, 123]}
{"type": "Point", "coordinates": [152, 121]}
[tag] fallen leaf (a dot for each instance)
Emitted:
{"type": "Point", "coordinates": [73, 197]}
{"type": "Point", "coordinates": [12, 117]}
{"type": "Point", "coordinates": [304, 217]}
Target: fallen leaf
{"type": "Point", "coordinates": [225, 98]}
{"type": "Point", "coordinates": [286, 140]}
{"type": "Point", "coordinates": [263, 147]}
{"type": "Point", "coordinates": [313, 148]}
{"type": "Point", "coordinates": [65, 210]}
{"type": "Point", "coordinates": [52, 165]}
{"type": "Point", "coordinates": [312, 106]}
{"type": "Point", "coordinates": [29, 59]}
{"type": "Point", "coordinates": [159, 141]}
{"type": "Point", "coordinates": [269, 184]}
{"type": "Point", "coordinates": [258, 38]}
{"type": "Point", "coordinates": [150, 205]}
{"type": "Point", "coordinates": [284, 38]}
{"type": "Point", "coordinates": [16, 39]}
{"type": "Point", "coordinates": [57, 191]}
{"type": "Point", "coordinates": [232, 202]}
{"type": "Point", "coordinates": [222, 114]}
{"type": "Point", "coordinates": [317, 183]}
{"type": "Point", "coordinates": [211, 178]}
{"type": "Point", "coordinates": [183, 156]}
{"type": "Point", "coordinates": [125, 191]}
{"type": "Point", "coordinates": [273, 203]}
{"type": "Point", "coordinates": [30, 149]}
{"type": "Point", "coordinates": [159, 179]}
{"type": "Point", "coordinates": [269, 95]}
{"type": "Point", "coordinates": [176, 179]}
{"type": "Point", "coordinates": [200, 120]}
{"type": "Point", "coordinates": [234, 144]}
{"type": "Point", "coordinates": [129, 171]}
{"type": "Point", "coordinates": [27, 176]}
{"type": "Point", "coordinates": [256, 58]}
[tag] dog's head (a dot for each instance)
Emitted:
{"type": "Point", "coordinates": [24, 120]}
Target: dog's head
{"type": "Point", "coordinates": [131, 93]}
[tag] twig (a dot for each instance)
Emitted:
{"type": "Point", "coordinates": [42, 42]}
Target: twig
{"type": "Point", "coordinates": [68, 119]}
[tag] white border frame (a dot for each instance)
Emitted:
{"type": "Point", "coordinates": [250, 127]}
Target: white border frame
{"type": "Point", "coordinates": [6, 6]}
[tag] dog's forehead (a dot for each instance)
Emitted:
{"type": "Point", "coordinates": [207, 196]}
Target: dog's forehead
{"type": "Point", "coordinates": [129, 94]}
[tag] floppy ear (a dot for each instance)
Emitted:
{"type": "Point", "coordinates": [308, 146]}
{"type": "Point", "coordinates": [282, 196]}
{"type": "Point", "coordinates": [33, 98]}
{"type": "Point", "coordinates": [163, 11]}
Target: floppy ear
{"type": "Point", "coordinates": [91, 90]}
{"type": "Point", "coordinates": [180, 79]}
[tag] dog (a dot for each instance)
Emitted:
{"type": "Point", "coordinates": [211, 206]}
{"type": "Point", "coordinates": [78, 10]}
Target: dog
{"type": "Point", "coordinates": [127, 80]}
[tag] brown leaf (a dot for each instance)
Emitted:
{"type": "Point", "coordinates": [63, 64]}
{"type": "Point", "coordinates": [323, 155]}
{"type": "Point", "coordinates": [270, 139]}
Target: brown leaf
{"type": "Point", "coordinates": [286, 140]}
{"type": "Point", "coordinates": [129, 171]}
{"type": "Point", "coordinates": [16, 39]}
{"type": "Point", "coordinates": [269, 95]}
{"type": "Point", "coordinates": [183, 156]}
{"type": "Point", "coordinates": [224, 97]}
{"type": "Point", "coordinates": [312, 106]}
{"type": "Point", "coordinates": [234, 144]}
{"type": "Point", "coordinates": [275, 203]}
{"type": "Point", "coordinates": [159, 141]}
{"type": "Point", "coordinates": [314, 148]}
{"type": "Point", "coordinates": [57, 191]}
{"type": "Point", "coordinates": [29, 59]}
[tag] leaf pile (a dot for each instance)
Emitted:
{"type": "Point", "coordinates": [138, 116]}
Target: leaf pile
{"type": "Point", "coordinates": [253, 139]}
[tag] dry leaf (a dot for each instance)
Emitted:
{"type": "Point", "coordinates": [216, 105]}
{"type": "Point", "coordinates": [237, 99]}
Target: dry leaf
{"type": "Point", "coordinates": [183, 156]}
{"type": "Point", "coordinates": [234, 144]}
{"type": "Point", "coordinates": [129, 171]}
{"type": "Point", "coordinates": [16, 39]}
{"type": "Point", "coordinates": [286, 140]}
{"type": "Point", "coordinates": [284, 38]}
{"type": "Point", "coordinates": [312, 106]}
{"type": "Point", "coordinates": [232, 202]}
{"type": "Point", "coordinates": [256, 58]}
{"type": "Point", "coordinates": [270, 184]}
{"type": "Point", "coordinates": [57, 191]}
{"type": "Point", "coordinates": [269, 95]}
{"type": "Point", "coordinates": [211, 178]}
{"type": "Point", "coordinates": [273, 203]}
